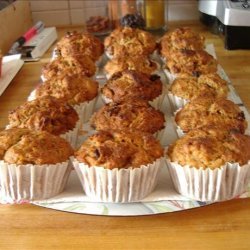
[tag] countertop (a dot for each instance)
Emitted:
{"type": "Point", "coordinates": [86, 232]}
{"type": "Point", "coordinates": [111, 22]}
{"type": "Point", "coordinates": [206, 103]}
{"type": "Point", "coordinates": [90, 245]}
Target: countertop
{"type": "Point", "coordinates": [224, 225]}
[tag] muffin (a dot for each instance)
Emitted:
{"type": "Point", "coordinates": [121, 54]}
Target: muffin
{"type": "Point", "coordinates": [210, 164]}
{"type": "Point", "coordinates": [131, 84]}
{"type": "Point", "coordinates": [125, 165]}
{"type": "Point", "coordinates": [33, 164]}
{"type": "Point", "coordinates": [69, 65]}
{"type": "Point", "coordinates": [76, 90]}
{"type": "Point", "coordinates": [190, 63]}
{"type": "Point", "coordinates": [138, 63]}
{"type": "Point", "coordinates": [181, 38]}
{"type": "Point", "coordinates": [129, 41]}
{"type": "Point", "coordinates": [47, 114]}
{"type": "Point", "coordinates": [209, 110]}
{"type": "Point", "coordinates": [136, 115]}
{"type": "Point", "coordinates": [76, 43]}
{"type": "Point", "coordinates": [184, 89]}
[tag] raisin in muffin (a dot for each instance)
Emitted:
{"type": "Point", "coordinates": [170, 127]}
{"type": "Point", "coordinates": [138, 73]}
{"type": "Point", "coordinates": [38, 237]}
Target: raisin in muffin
{"type": "Point", "coordinates": [209, 110]}
{"type": "Point", "coordinates": [76, 43]}
{"type": "Point", "coordinates": [210, 164]}
{"type": "Point", "coordinates": [136, 115]}
{"type": "Point", "coordinates": [138, 63]}
{"type": "Point", "coordinates": [181, 38]}
{"type": "Point", "coordinates": [33, 164]}
{"type": "Point", "coordinates": [47, 114]}
{"type": "Point", "coordinates": [129, 41]}
{"type": "Point", "coordinates": [184, 89]}
{"type": "Point", "coordinates": [70, 65]}
{"type": "Point", "coordinates": [76, 90]}
{"type": "Point", "coordinates": [132, 158]}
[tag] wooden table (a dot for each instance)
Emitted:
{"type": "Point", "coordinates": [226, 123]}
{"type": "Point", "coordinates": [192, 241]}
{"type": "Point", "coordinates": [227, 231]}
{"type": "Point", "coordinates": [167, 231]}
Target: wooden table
{"type": "Point", "coordinates": [223, 225]}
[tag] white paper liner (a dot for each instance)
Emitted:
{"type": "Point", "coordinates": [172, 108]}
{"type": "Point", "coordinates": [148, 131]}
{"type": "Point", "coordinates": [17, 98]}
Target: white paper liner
{"type": "Point", "coordinates": [177, 102]}
{"type": "Point", "coordinates": [224, 183]}
{"type": "Point", "coordinates": [32, 182]}
{"type": "Point", "coordinates": [170, 77]}
{"type": "Point", "coordinates": [161, 134]}
{"type": "Point", "coordinates": [118, 185]}
{"type": "Point", "coordinates": [32, 95]}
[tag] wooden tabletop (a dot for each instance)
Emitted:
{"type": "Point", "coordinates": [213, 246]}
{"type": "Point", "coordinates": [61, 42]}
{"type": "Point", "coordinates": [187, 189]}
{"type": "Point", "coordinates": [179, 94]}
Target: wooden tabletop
{"type": "Point", "coordinates": [224, 225]}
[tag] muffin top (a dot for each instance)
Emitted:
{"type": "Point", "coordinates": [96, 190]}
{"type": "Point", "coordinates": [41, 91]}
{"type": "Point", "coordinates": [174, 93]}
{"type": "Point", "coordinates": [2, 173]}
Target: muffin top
{"type": "Point", "coordinates": [76, 43]}
{"type": "Point", "coordinates": [70, 65]}
{"type": "Point", "coordinates": [72, 89]}
{"type": "Point", "coordinates": [24, 146]}
{"type": "Point", "coordinates": [119, 150]}
{"type": "Point", "coordinates": [209, 110]}
{"type": "Point", "coordinates": [46, 113]}
{"type": "Point", "coordinates": [130, 41]}
{"type": "Point", "coordinates": [131, 84]}
{"type": "Point", "coordinates": [210, 147]}
{"type": "Point", "coordinates": [138, 63]}
{"type": "Point", "coordinates": [181, 38]}
{"type": "Point", "coordinates": [191, 87]}
{"type": "Point", "coordinates": [136, 115]}
{"type": "Point", "coordinates": [191, 62]}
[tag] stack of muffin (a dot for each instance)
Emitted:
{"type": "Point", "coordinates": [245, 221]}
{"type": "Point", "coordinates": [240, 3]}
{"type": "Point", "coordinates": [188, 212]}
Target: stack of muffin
{"type": "Point", "coordinates": [211, 161]}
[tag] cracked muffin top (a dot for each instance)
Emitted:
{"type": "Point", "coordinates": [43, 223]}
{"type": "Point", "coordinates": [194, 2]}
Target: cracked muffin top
{"type": "Point", "coordinates": [191, 87]}
{"type": "Point", "coordinates": [46, 114]}
{"type": "Point", "coordinates": [136, 115]}
{"type": "Point", "coordinates": [210, 147]}
{"type": "Point", "coordinates": [181, 38]}
{"type": "Point", "coordinates": [76, 43]}
{"type": "Point", "coordinates": [191, 62]}
{"type": "Point", "coordinates": [208, 110]}
{"type": "Point", "coordinates": [129, 41]}
{"type": "Point", "coordinates": [119, 150]}
{"type": "Point", "coordinates": [73, 90]}
{"type": "Point", "coordinates": [24, 146]}
{"type": "Point", "coordinates": [69, 65]}
{"type": "Point", "coordinates": [130, 84]}
{"type": "Point", "coordinates": [138, 63]}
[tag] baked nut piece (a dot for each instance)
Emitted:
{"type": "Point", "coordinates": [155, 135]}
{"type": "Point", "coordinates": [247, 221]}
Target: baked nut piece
{"type": "Point", "coordinates": [209, 110]}
{"type": "Point", "coordinates": [45, 114]}
{"type": "Point", "coordinates": [130, 41]}
{"type": "Point", "coordinates": [76, 43]}
{"type": "Point", "coordinates": [70, 65]}
{"type": "Point", "coordinates": [119, 150]}
{"type": "Point", "coordinates": [191, 62]}
{"type": "Point", "coordinates": [136, 115]}
{"type": "Point", "coordinates": [181, 38]}
{"type": "Point", "coordinates": [72, 89]}
{"type": "Point", "coordinates": [191, 87]}
{"type": "Point", "coordinates": [23, 146]}
{"type": "Point", "coordinates": [138, 63]}
{"type": "Point", "coordinates": [131, 84]}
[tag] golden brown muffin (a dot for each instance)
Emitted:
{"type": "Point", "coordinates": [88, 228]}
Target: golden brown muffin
{"type": "Point", "coordinates": [73, 89]}
{"type": "Point", "coordinates": [138, 63]}
{"type": "Point", "coordinates": [131, 84]}
{"type": "Point", "coordinates": [192, 63]}
{"type": "Point", "coordinates": [119, 150]}
{"type": "Point", "coordinates": [136, 115]}
{"type": "Point", "coordinates": [210, 147]}
{"type": "Point", "coordinates": [129, 41]}
{"type": "Point", "coordinates": [209, 110]}
{"type": "Point", "coordinates": [70, 65]}
{"type": "Point", "coordinates": [181, 38]}
{"type": "Point", "coordinates": [23, 146]}
{"type": "Point", "coordinates": [76, 43]}
{"type": "Point", "coordinates": [191, 87]}
{"type": "Point", "coordinates": [45, 114]}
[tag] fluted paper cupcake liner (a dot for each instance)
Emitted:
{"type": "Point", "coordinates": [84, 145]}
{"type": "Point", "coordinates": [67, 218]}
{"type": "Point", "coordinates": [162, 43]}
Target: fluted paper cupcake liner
{"type": "Point", "coordinates": [171, 77]}
{"type": "Point", "coordinates": [224, 183]}
{"type": "Point", "coordinates": [32, 182]}
{"type": "Point", "coordinates": [118, 185]}
{"type": "Point", "coordinates": [176, 102]}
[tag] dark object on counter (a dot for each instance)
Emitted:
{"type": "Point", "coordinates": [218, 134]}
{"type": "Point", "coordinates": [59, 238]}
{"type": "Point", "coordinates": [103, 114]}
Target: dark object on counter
{"type": "Point", "coordinates": [133, 20]}
{"type": "Point", "coordinates": [97, 24]}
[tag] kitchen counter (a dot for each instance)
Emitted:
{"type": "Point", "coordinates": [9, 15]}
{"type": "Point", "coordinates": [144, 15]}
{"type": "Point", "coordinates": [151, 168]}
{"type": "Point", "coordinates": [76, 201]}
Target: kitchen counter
{"type": "Point", "coordinates": [224, 225]}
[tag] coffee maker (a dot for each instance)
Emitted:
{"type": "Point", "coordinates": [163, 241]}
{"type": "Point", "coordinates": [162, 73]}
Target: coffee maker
{"type": "Point", "coordinates": [231, 18]}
